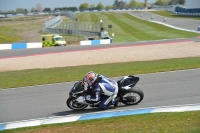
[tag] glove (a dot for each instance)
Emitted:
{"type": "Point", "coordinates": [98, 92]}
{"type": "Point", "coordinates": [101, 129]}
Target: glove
{"type": "Point", "coordinates": [85, 86]}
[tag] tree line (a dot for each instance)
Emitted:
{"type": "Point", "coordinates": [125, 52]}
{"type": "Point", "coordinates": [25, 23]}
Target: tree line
{"type": "Point", "coordinates": [169, 2]}
{"type": "Point", "coordinates": [117, 4]}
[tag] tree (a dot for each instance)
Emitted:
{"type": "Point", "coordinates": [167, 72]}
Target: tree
{"type": "Point", "coordinates": [46, 10]}
{"type": "Point", "coordinates": [25, 10]}
{"type": "Point", "coordinates": [119, 4]}
{"type": "Point", "coordinates": [165, 2]}
{"type": "Point", "coordinates": [116, 4]}
{"type": "Point", "coordinates": [39, 7]}
{"type": "Point", "coordinates": [174, 2]}
{"type": "Point", "coordinates": [20, 10]}
{"type": "Point", "coordinates": [108, 7]}
{"type": "Point", "coordinates": [133, 3]}
{"type": "Point", "coordinates": [33, 10]}
{"type": "Point", "coordinates": [92, 5]}
{"type": "Point", "coordinates": [73, 8]}
{"type": "Point", "coordinates": [139, 5]}
{"type": "Point", "coordinates": [100, 6]}
{"type": "Point", "coordinates": [84, 6]}
{"type": "Point", "coordinates": [159, 2]}
{"type": "Point", "coordinates": [181, 1]}
{"type": "Point", "coordinates": [122, 4]}
{"type": "Point", "coordinates": [11, 11]}
{"type": "Point", "coordinates": [127, 5]}
{"type": "Point", "coordinates": [58, 9]}
{"type": "Point", "coordinates": [65, 9]}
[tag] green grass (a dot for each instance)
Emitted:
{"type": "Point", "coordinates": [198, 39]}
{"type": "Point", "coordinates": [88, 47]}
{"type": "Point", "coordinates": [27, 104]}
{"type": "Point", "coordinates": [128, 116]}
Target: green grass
{"type": "Point", "coordinates": [129, 29]}
{"type": "Point", "coordinates": [8, 34]}
{"type": "Point", "coordinates": [125, 27]}
{"type": "Point", "coordinates": [172, 15]}
{"type": "Point", "coordinates": [21, 19]}
{"type": "Point", "coordinates": [55, 75]}
{"type": "Point", "coordinates": [182, 122]}
{"type": "Point", "coordinates": [11, 29]}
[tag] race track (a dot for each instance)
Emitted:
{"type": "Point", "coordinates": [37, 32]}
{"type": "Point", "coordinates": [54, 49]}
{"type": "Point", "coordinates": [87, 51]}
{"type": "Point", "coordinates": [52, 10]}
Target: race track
{"type": "Point", "coordinates": [187, 24]}
{"type": "Point", "coordinates": [51, 50]}
{"type": "Point", "coordinates": [160, 89]}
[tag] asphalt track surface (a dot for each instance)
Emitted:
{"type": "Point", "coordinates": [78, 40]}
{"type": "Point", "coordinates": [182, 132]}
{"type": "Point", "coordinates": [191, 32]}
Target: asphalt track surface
{"type": "Point", "coordinates": [189, 24]}
{"type": "Point", "coordinates": [160, 89]}
{"type": "Point", "coordinates": [53, 50]}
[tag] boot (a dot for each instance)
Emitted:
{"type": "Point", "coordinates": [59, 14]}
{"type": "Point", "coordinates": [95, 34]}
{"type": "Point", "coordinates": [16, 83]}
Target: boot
{"type": "Point", "coordinates": [115, 102]}
{"type": "Point", "coordinates": [95, 104]}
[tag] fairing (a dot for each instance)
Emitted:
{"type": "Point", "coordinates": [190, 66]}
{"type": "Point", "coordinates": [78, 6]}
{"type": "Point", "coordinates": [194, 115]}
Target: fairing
{"type": "Point", "coordinates": [127, 82]}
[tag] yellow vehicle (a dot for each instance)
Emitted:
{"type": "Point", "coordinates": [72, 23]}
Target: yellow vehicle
{"type": "Point", "coordinates": [52, 40]}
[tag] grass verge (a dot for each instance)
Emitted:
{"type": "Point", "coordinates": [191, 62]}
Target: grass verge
{"type": "Point", "coordinates": [183, 122]}
{"type": "Point", "coordinates": [54, 75]}
{"type": "Point", "coordinates": [9, 34]}
{"type": "Point", "coordinates": [172, 15]}
{"type": "Point", "coordinates": [125, 27]}
{"type": "Point", "coordinates": [12, 29]}
{"type": "Point", "coordinates": [129, 29]}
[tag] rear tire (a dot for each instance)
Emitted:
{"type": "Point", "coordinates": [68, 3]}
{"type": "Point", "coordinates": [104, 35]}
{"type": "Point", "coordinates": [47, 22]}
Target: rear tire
{"type": "Point", "coordinates": [132, 96]}
{"type": "Point", "coordinates": [75, 106]}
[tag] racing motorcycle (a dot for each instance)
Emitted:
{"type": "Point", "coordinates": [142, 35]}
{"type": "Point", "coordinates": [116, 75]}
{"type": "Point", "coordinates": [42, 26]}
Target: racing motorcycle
{"type": "Point", "coordinates": [128, 94]}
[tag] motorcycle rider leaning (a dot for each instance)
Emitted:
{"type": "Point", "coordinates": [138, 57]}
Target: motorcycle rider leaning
{"type": "Point", "coordinates": [98, 82]}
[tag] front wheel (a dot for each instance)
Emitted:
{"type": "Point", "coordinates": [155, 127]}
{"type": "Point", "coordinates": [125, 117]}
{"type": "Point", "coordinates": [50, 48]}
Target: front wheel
{"type": "Point", "coordinates": [74, 105]}
{"type": "Point", "coordinates": [132, 96]}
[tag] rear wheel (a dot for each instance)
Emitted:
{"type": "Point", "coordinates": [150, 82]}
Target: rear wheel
{"type": "Point", "coordinates": [132, 96]}
{"type": "Point", "coordinates": [74, 105]}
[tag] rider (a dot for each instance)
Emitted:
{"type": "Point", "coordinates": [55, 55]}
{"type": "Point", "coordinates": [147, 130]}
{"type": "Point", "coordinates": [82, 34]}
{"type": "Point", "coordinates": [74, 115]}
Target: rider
{"type": "Point", "coordinates": [100, 82]}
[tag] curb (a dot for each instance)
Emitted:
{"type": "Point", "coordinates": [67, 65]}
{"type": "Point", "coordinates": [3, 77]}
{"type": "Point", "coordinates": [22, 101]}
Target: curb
{"type": "Point", "coordinates": [104, 114]}
{"type": "Point", "coordinates": [14, 46]}
{"type": "Point", "coordinates": [96, 42]}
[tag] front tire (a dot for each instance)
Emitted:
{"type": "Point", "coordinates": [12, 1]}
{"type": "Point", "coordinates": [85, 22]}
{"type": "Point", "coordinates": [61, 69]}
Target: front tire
{"type": "Point", "coordinates": [132, 96]}
{"type": "Point", "coordinates": [75, 106]}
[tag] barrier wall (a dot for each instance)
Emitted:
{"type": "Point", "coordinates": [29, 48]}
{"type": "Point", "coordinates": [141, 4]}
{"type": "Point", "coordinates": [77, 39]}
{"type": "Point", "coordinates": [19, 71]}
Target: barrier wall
{"type": "Point", "coordinates": [96, 42]}
{"type": "Point", "coordinates": [39, 45]}
{"type": "Point", "coordinates": [20, 46]}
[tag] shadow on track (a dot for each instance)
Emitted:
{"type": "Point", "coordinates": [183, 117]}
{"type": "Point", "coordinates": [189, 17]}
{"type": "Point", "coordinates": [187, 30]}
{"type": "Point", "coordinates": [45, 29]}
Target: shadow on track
{"type": "Point", "coordinates": [89, 110]}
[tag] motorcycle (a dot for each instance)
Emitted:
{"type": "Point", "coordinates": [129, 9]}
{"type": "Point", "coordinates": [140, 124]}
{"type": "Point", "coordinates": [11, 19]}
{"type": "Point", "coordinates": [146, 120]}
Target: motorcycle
{"type": "Point", "coordinates": [128, 94]}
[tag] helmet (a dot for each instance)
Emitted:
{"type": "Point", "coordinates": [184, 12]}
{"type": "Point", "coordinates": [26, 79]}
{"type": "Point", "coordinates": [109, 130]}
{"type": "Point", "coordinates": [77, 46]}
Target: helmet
{"type": "Point", "coordinates": [90, 78]}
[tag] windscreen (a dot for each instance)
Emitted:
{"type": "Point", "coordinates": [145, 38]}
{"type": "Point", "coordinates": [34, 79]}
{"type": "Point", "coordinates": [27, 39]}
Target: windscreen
{"type": "Point", "coordinates": [77, 87]}
{"type": "Point", "coordinates": [59, 39]}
